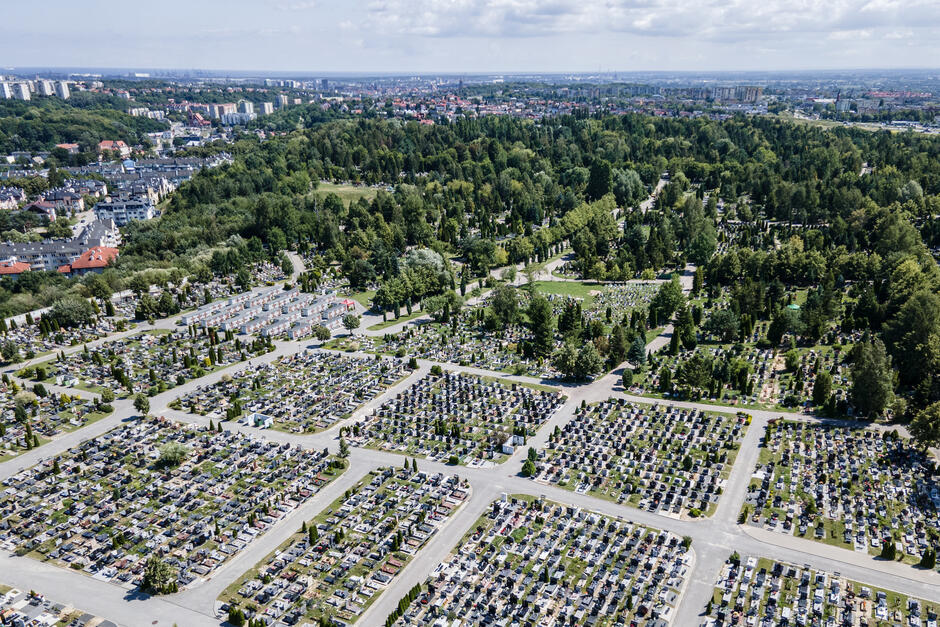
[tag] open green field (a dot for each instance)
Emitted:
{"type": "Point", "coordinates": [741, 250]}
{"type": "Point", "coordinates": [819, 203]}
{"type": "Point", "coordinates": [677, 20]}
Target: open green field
{"type": "Point", "coordinates": [575, 289]}
{"type": "Point", "coordinates": [399, 320]}
{"type": "Point", "coordinates": [364, 298]}
{"type": "Point", "coordinates": [347, 193]}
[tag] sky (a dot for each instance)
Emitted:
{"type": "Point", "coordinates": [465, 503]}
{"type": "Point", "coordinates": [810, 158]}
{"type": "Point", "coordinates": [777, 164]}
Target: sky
{"type": "Point", "coordinates": [453, 36]}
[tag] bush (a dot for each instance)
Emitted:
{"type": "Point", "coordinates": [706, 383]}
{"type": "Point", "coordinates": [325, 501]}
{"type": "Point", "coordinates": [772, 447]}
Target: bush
{"type": "Point", "coordinates": [172, 454]}
{"type": "Point", "coordinates": [453, 460]}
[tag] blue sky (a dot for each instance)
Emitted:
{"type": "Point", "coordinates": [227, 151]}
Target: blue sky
{"type": "Point", "coordinates": [472, 35]}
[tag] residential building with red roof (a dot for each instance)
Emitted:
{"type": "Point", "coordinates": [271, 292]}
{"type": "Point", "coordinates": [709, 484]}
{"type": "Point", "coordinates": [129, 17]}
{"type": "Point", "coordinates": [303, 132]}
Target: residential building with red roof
{"type": "Point", "coordinates": [114, 146]}
{"type": "Point", "coordinates": [12, 268]}
{"type": "Point", "coordinates": [92, 260]}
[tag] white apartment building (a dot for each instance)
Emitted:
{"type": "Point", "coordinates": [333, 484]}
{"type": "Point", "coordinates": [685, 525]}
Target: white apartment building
{"type": "Point", "coordinates": [21, 91]}
{"type": "Point", "coordinates": [124, 211]}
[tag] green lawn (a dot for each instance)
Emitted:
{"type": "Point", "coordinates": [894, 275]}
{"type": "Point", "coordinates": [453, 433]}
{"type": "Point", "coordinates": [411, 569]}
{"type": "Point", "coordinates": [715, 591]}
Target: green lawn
{"type": "Point", "coordinates": [393, 321]}
{"type": "Point", "coordinates": [347, 193]}
{"type": "Point", "coordinates": [574, 289]}
{"type": "Point", "coordinates": [364, 298]}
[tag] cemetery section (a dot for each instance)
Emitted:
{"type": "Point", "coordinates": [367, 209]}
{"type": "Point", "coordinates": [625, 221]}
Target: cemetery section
{"type": "Point", "coordinates": [536, 562]}
{"type": "Point", "coordinates": [147, 363]}
{"type": "Point", "coordinates": [342, 560]}
{"type": "Point", "coordinates": [760, 591]}
{"type": "Point", "coordinates": [659, 458]}
{"type": "Point", "coordinates": [305, 392]}
{"type": "Point", "coordinates": [29, 418]}
{"type": "Point", "coordinates": [458, 418]}
{"type": "Point", "coordinates": [191, 496]}
{"type": "Point", "coordinates": [860, 489]}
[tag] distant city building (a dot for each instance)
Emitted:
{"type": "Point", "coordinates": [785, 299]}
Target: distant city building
{"type": "Point", "coordinates": [45, 88]}
{"type": "Point", "coordinates": [13, 268]}
{"type": "Point", "coordinates": [232, 119]}
{"type": "Point", "coordinates": [282, 101]}
{"type": "Point", "coordinates": [51, 255]}
{"type": "Point", "coordinates": [245, 106]}
{"type": "Point", "coordinates": [267, 108]}
{"type": "Point", "coordinates": [6, 91]}
{"type": "Point", "coordinates": [220, 109]}
{"type": "Point", "coordinates": [114, 146]}
{"type": "Point", "coordinates": [21, 91]}
{"type": "Point", "coordinates": [11, 197]}
{"type": "Point", "coordinates": [62, 90]}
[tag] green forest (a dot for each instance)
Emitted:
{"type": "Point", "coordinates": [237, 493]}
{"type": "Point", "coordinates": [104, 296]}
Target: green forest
{"type": "Point", "coordinates": [797, 214]}
{"type": "Point", "coordinates": [86, 120]}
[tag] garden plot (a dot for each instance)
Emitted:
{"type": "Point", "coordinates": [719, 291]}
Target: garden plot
{"type": "Point", "coordinates": [458, 418]}
{"type": "Point", "coordinates": [850, 487]}
{"type": "Point", "coordinates": [758, 591]}
{"type": "Point", "coordinates": [532, 562]}
{"type": "Point", "coordinates": [659, 458]}
{"type": "Point", "coordinates": [343, 560]}
{"type": "Point", "coordinates": [188, 495]}
{"type": "Point", "coordinates": [305, 392]}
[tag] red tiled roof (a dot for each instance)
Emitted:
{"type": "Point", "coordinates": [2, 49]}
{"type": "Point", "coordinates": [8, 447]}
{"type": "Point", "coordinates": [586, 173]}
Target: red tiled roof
{"type": "Point", "coordinates": [109, 144]}
{"type": "Point", "coordinates": [97, 257]}
{"type": "Point", "coordinates": [13, 267]}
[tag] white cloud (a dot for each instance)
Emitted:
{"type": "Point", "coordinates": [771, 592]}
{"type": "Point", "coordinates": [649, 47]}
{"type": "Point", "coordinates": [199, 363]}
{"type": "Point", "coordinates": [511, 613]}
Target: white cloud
{"type": "Point", "coordinates": [706, 19]}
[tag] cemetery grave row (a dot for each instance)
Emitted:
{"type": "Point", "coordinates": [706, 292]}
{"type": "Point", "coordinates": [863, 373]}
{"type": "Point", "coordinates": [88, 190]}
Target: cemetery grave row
{"type": "Point", "coordinates": [194, 293]}
{"type": "Point", "coordinates": [855, 488]}
{"type": "Point", "coordinates": [21, 608]}
{"type": "Point", "coordinates": [272, 312]}
{"type": "Point", "coordinates": [766, 593]}
{"type": "Point", "coordinates": [463, 341]}
{"type": "Point", "coordinates": [621, 299]}
{"type": "Point", "coordinates": [341, 562]}
{"type": "Point", "coordinates": [535, 562]}
{"type": "Point", "coordinates": [33, 338]}
{"type": "Point", "coordinates": [305, 392]}
{"type": "Point", "coordinates": [28, 419]}
{"type": "Point", "coordinates": [191, 496]}
{"type": "Point", "coordinates": [148, 362]}
{"type": "Point", "coordinates": [458, 418]}
{"type": "Point", "coordinates": [744, 375]}
{"type": "Point", "coordinates": [659, 458]}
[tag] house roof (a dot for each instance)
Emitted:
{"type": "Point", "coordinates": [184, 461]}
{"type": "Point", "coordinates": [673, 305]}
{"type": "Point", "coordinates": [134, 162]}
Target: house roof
{"type": "Point", "coordinates": [13, 267]}
{"type": "Point", "coordinates": [96, 257]}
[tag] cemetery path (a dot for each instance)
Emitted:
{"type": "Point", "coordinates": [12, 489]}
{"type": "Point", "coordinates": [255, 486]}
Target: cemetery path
{"type": "Point", "coordinates": [298, 265]}
{"type": "Point", "coordinates": [121, 605]}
